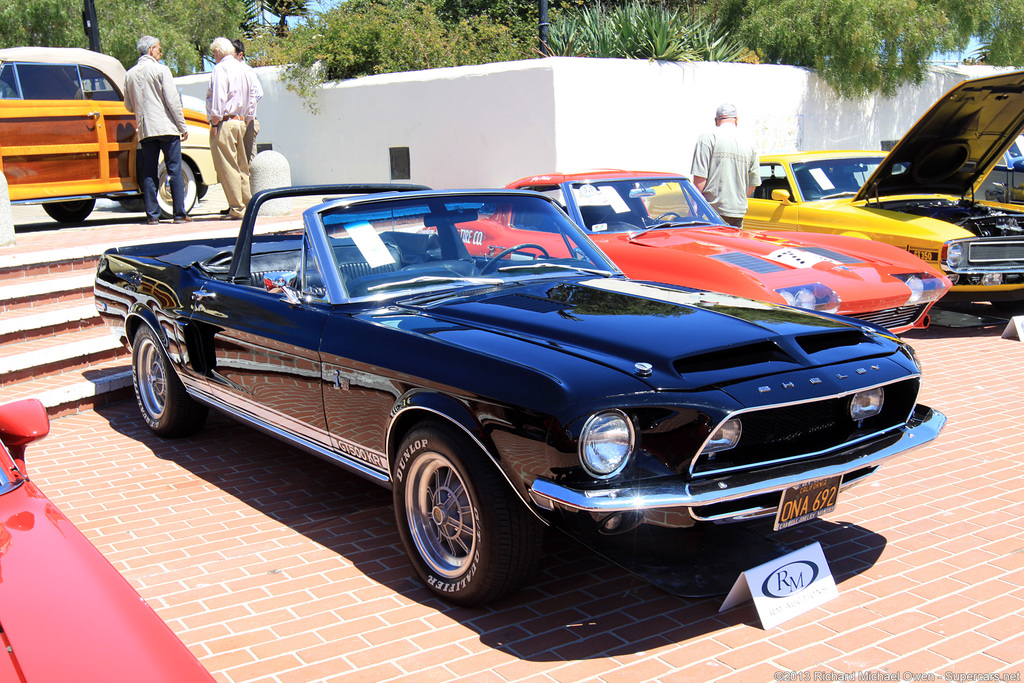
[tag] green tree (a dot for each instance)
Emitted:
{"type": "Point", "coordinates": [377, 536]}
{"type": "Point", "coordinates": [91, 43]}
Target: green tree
{"type": "Point", "coordinates": [363, 37]}
{"type": "Point", "coordinates": [185, 27]}
{"type": "Point", "coordinates": [50, 23]}
{"type": "Point", "coordinates": [644, 30]}
{"type": "Point", "coordinates": [861, 46]}
{"type": "Point", "coordinates": [257, 10]}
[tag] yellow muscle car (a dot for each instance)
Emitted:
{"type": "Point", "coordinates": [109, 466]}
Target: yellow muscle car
{"type": "Point", "coordinates": [921, 195]}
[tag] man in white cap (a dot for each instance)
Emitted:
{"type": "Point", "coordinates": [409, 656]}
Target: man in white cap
{"type": "Point", "coordinates": [725, 167]}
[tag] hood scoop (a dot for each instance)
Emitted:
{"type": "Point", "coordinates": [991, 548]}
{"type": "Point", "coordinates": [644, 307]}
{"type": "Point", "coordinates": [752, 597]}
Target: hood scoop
{"type": "Point", "coordinates": [760, 353]}
{"type": "Point", "coordinates": [772, 356]}
{"type": "Point", "coordinates": [754, 264]}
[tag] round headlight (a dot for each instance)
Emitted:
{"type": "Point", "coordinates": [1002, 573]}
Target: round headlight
{"type": "Point", "coordinates": [867, 403]}
{"type": "Point", "coordinates": [606, 443]}
{"type": "Point", "coordinates": [955, 255]}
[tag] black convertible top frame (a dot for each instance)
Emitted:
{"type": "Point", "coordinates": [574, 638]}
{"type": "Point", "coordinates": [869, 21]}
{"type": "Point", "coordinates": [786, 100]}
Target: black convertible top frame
{"type": "Point", "coordinates": [240, 262]}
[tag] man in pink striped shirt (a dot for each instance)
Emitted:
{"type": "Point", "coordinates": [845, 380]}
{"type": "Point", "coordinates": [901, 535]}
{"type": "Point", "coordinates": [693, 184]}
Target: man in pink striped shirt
{"type": "Point", "coordinates": [230, 100]}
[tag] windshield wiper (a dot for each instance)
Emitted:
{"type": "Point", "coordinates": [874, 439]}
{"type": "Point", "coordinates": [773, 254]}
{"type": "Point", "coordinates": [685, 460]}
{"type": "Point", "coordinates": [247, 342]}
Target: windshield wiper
{"type": "Point", "coordinates": [847, 193]}
{"type": "Point", "coordinates": [556, 266]}
{"type": "Point", "coordinates": [671, 224]}
{"type": "Point", "coordinates": [435, 279]}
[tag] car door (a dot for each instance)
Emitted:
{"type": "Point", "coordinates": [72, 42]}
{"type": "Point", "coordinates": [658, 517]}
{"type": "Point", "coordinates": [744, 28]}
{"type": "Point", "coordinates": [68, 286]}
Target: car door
{"type": "Point", "coordinates": [64, 131]}
{"type": "Point", "coordinates": [766, 213]}
{"type": "Point", "coordinates": [261, 353]}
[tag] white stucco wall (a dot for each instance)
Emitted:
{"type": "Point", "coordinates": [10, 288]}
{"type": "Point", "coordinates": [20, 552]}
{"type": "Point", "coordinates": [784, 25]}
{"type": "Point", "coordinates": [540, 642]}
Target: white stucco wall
{"type": "Point", "coordinates": [486, 125]}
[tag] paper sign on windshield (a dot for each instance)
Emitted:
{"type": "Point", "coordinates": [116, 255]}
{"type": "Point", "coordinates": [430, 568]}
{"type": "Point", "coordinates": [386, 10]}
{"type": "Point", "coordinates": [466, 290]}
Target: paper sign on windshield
{"type": "Point", "coordinates": [370, 245]}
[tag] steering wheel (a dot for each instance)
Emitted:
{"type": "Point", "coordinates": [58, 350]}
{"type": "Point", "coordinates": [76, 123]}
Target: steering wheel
{"type": "Point", "coordinates": [493, 262]}
{"type": "Point", "coordinates": [668, 214]}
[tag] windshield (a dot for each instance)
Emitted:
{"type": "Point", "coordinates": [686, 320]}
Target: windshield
{"type": "Point", "coordinates": [641, 203]}
{"type": "Point", "coordinates": [391, 246]}
{"type": "Point", "coordinates": [827, 178]}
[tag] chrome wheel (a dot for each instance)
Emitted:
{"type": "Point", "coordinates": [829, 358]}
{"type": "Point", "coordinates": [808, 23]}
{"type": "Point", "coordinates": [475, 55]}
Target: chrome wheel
{"type": "Point", "coordinates": [165, 199]}
{"type": "Point", "coordinates": [152, 382]}
{"type": "Point", "coordinates": [165, 405]}
{"type": "Point", "coordinates": [440, 513]}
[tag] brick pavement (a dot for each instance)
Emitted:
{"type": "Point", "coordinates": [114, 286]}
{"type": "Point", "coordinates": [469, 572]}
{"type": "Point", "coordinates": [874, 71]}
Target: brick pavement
{"type": "Point", "coordinates": [275, 566]}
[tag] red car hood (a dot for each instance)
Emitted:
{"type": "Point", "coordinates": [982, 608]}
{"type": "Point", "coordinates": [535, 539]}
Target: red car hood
{"type": "Point", "coordinates": [65, 612]}
{"type": "Point", "coordinates": [771, 259]}
{"type": "Point", "coordinates": [775, 248]}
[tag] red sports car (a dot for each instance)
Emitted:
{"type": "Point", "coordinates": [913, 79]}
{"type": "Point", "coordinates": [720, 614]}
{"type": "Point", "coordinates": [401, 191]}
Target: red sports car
{"type": "Point", "coordinates": [65, 612]}
{"type": "Point", "coordinates": [657, 226]}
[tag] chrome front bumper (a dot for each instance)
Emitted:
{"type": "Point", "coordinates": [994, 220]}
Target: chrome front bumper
{"type": "Point", "coordinates": [923, 427]}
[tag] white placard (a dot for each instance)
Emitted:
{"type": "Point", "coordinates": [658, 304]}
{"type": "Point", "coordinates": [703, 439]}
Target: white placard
{"type": "Point", "coordinates": [786, 587]}
{"type": "Point", "coordinates": [1015, 328]}
{"type": "Point", "coordinates": [370, 245]}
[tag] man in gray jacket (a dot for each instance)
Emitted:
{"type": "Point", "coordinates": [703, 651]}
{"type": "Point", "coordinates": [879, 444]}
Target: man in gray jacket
{"type": "Point", "coordinates": [150, 94]}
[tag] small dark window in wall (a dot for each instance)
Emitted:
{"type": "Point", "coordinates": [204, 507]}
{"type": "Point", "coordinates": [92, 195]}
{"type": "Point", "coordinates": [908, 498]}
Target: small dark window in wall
{"type": "Point", "coordinates": [887, 145]}
{"type": "Point", "coordinates": [399, 163]}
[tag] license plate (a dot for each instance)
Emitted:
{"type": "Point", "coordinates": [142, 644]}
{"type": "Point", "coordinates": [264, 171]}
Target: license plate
{"type": "Point", "coordinates": [807, 501]}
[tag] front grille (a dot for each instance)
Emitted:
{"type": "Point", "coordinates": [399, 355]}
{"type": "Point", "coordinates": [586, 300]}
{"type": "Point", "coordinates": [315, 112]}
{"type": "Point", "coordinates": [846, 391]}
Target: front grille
{"type": "Point", "coordinates": [788, 432]}
{"type": "Point", "coordinates": [893, 317]}
{"type": "Point", "coordinates": [1007, 254]}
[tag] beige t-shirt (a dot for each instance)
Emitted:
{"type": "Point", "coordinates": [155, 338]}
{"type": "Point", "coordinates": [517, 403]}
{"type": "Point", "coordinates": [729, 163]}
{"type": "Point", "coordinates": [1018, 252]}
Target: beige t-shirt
{"type": "Point", "coordinates": [728, 160]}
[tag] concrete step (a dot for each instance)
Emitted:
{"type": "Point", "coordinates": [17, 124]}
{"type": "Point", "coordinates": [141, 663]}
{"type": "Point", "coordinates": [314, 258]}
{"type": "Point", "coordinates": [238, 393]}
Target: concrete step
{"type": "Point", "coordinates": [44, 357]}
{"type": "Point", "coordinates": [41, 290]}
{"type": "Point", "coordinates": [53, 345]}
{"type": "Point", "coordinates": [82, 389]}
{"type": "Point", "coordinates": [47, 320]}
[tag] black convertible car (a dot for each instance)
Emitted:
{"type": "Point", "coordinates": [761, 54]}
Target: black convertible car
{"type": "Point", "coordinates": [499, 387]}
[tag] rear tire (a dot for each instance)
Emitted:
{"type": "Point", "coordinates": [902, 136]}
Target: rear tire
{"type": "Point", "coordinates": [163, 190]}
{"type": "Point", "coordinates": [132, 204]}
{"type": "Point", "coordinates": [470, 538]}
{"type": "Point", "coordinates": [165, 405]}
{"type": "Point", "coordinates": [70, 212]}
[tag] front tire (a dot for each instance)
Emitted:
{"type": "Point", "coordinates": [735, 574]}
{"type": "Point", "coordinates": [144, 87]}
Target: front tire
{"type": "Point", "coordinates": [470, 538]}
{"type": "Point", "coordinates": [165, 405]}
{"type": "Point", "coordinates": [70, 212]}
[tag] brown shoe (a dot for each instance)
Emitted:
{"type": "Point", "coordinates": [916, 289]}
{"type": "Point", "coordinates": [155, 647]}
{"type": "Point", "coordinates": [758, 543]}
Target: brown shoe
{"type": "Point", "coordinates": [183, 219]}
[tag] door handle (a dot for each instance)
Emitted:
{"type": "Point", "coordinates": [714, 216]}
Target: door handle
{"type": "Point", "coordinates": [202, 294]}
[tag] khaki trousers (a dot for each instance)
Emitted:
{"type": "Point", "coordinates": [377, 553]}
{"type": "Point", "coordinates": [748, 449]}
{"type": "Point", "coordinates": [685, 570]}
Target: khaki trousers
{"type": "Point", "coordinates": [227, 144]}
{"type": "Point", "coordinates": [252, 129]}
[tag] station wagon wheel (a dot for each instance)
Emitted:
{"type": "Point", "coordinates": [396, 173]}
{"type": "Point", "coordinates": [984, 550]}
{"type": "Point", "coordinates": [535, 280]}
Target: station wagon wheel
{"type": "Point", "coordinates": [163, 190]}
{"type": "Point", "coordinates": [165, 405]}
{"type": "Point", "coordinates": [493, 262]}
{"type": "Point", "coordinates": [467, 534]}
{"type": "Point", "coordinates": [70, 212]}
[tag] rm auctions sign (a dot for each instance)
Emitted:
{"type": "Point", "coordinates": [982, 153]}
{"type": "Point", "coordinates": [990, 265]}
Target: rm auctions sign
{"type": "Point", "coordinates": [785, 587]}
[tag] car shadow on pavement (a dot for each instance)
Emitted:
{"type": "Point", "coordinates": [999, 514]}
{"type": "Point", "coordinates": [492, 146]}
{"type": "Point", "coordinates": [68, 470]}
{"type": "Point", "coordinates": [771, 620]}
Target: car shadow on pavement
{"type": "Point", "coordinates": [578, 606]}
